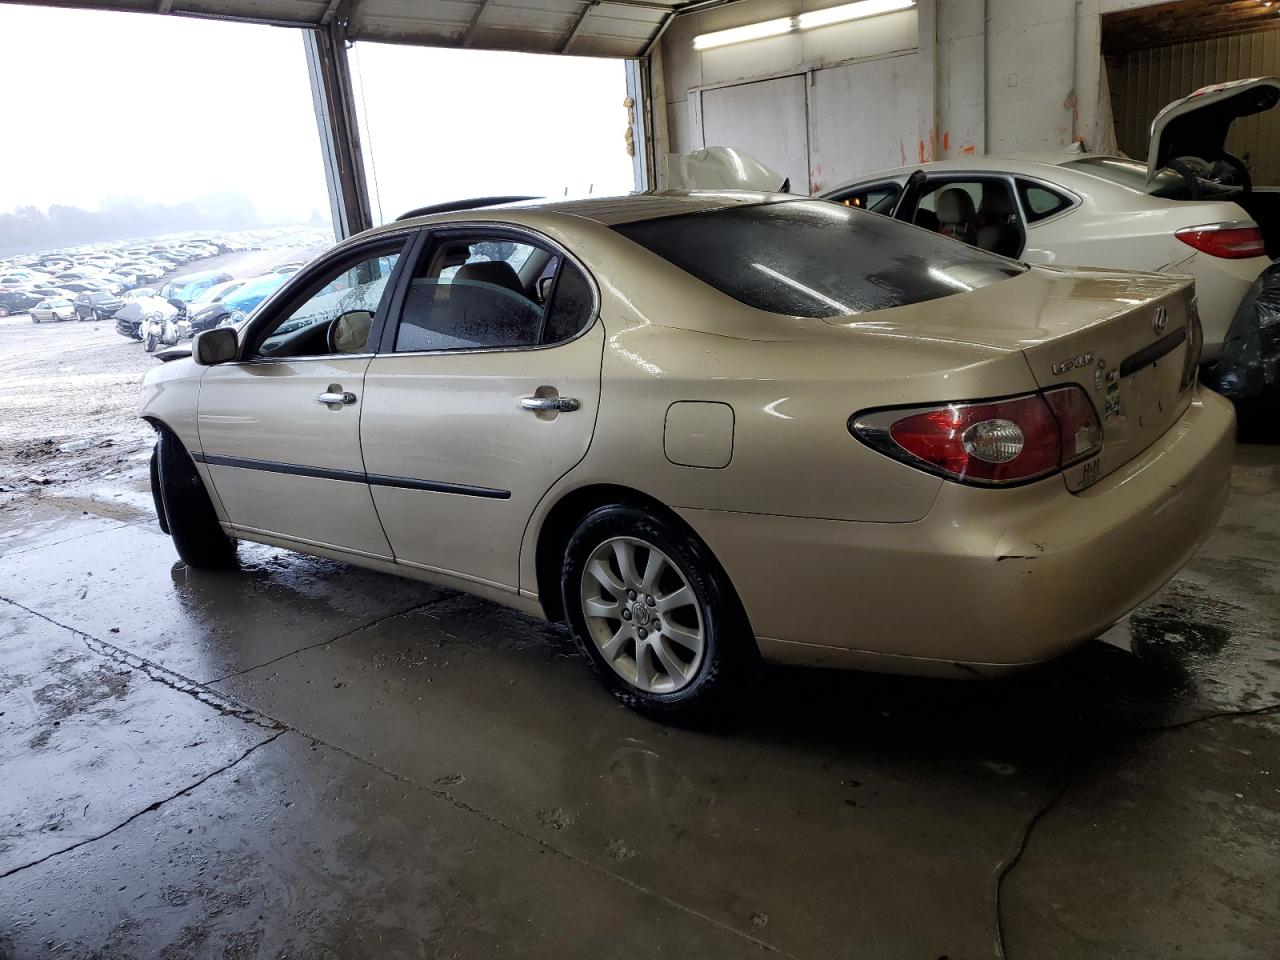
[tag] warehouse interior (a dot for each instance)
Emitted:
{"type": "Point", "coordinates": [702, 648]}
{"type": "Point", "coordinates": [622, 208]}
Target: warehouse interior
{"type": "Point", "coordinates": [302, 757]}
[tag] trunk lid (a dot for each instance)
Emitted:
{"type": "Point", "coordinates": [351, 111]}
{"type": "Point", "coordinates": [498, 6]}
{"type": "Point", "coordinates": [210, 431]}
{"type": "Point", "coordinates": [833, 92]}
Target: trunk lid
{"type": "Point", "coordinates": [1131, 364]}
{"type": "Point", "coordinates": [1198, 124]}
{"type": "Point", "coordinates": [1123, 337]}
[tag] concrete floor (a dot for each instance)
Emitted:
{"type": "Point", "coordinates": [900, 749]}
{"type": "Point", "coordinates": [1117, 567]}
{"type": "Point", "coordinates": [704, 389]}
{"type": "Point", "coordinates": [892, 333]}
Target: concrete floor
{"type": "Point", "coordinates": [302, 759]}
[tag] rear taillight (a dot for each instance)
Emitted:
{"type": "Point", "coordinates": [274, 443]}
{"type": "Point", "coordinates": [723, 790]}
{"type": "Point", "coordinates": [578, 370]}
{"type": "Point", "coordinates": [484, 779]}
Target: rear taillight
{"type": "Point", "coordinates": [1195, 343]}
{"type": "Point", "coordinates": [988, 443]}
{"type": "Point", "coordinates": [1231, 241]}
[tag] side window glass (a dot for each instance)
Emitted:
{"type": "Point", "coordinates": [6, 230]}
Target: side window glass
{"type": "Point", "coordinates": [979, 212]}
{"type": "Point", "coordinates": [474, 293]}
{"type": "Point", "coordinates": [877, 199]}
{"type": "Point", "coordinates": [337, 310]}
{"type": "Point", "coordinates": [571, 308]}
{"type": "Point", "coordinates": [1040, 202]}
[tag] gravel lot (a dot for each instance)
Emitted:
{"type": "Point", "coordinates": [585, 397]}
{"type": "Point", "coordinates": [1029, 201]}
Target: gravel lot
{"type": "Point", "coordinates": [69, 392]}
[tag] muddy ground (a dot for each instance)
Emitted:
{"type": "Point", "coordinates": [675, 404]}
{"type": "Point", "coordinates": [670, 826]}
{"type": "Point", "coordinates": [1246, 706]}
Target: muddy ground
{"type": "Point", "coordinates": [69, 393]}
{"type": "Point", "coordinates": [303, 759]}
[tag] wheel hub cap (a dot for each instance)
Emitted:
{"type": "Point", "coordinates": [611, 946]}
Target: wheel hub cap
{"type": "Point", "coordinates": [642, 615]}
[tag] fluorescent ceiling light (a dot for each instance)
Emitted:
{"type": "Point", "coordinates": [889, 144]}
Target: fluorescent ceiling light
{"type": "Point", "coordinates": [805, 21]}
{"type": "Point", "coordinates": [851, 11]}
{"type": "Point", "coordinates": [752, 31]}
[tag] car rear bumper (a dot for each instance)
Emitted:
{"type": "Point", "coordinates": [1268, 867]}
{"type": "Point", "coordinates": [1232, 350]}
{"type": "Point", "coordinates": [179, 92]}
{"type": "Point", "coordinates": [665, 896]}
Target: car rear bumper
{"type": "Point", "coordinates": [1221, 286]}
{"type": "Point", "coordinates": [990, 580]}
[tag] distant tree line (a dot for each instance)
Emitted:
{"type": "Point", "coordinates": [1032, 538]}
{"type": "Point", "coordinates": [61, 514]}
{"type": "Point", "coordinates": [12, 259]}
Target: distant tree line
{"type": "Point", "coordinates": [29, 229]}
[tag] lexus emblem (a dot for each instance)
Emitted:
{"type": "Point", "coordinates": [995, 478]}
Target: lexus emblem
{"type": "Point", "coordinates": [1160, 320]}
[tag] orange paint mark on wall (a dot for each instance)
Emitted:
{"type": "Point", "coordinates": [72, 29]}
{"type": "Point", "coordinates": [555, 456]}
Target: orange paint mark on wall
{"type": "Point", "coordinates": [969, 150]}
{"type": "Point", "coordinates": [946, 141]}
{"type": "Point", "coordinates": [921, 143]}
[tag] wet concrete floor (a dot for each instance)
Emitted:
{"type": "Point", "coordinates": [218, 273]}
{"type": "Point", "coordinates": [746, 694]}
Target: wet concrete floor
{"type": "Point", "coordinates": [303, 759]}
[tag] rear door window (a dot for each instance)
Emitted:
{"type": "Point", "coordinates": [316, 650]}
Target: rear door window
{"type": "Point", "coordinates": [813, 258]}
{"type": "Point", "coordinates": [476, 292]}
{"type": "Point", "coordinates": [974, 209]}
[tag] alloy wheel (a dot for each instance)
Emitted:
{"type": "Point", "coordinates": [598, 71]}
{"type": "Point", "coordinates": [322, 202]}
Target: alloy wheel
{"type": "Point", "coordinates": [642, 615]}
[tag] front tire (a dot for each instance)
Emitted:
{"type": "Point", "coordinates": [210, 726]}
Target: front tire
{"type": "Point", "coordinates": [149, 344]}
{"type": "Point", "coordinates": [187, 510]}
{"type": "Point", "coordinates": [655, 616]}
{"type": "Point", "coordinates": [4, 311]}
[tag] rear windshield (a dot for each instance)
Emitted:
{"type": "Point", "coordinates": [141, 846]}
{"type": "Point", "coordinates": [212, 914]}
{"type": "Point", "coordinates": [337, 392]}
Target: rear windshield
{"type": "Point", "coordinates": [813, 258]}
{"type": "Point", "coordinates": [1167, 184]}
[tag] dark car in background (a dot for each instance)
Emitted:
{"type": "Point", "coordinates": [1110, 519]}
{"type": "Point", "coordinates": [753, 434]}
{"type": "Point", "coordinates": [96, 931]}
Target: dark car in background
{"type": "Point", "coordinates": [16, 301]}
{"type": "Point", "coordinates": [97, 305]}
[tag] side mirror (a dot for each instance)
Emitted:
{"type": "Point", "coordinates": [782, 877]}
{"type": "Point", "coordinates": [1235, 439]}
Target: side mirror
{"type": "Point", "coordinates": [215, 346]}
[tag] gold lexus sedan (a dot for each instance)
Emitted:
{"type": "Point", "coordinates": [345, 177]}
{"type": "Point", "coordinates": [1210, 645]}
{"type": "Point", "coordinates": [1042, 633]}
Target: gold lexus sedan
{"type": "Point", "coordinates": [707, 429]}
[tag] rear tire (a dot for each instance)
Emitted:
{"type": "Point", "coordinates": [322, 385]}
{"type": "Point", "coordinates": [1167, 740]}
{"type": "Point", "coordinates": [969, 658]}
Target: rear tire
{"type": "Point", "coordinates": [656, 617]}
{"type": "Point", "coordinates": [187, 510]}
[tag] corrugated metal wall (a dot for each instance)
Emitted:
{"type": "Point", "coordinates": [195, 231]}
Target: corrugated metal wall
{"type": "Point", "coordinates": [1144, 81]}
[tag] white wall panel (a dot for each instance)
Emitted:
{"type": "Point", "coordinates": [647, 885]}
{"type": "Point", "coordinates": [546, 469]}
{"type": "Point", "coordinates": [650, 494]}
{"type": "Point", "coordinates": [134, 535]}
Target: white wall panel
{"type": "Point", "coordinates": [767, 119]}
{"type": "Point", "coordinates": [862, 118]}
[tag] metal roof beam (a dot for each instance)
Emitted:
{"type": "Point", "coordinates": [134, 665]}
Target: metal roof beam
{"type": "Point", "coordinates": [470, 35]}
{"type": "Point", "coordinates": [577, 25]}
{"type": "Point", "coordinates": [329, 11]}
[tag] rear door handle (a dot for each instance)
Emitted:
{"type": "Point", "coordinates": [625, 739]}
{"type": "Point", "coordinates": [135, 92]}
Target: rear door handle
{"type": "Point", "coordinates": [549, 404]}
{"type": "Point", "coordinates": [345, 397]}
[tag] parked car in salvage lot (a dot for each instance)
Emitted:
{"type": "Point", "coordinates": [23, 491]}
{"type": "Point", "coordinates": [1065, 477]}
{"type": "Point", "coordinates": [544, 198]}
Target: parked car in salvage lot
{"type": "Point", "coordinates": [17, 301]}
{"type": "Point", "coordinates": [49, 310]}
{"type": "Point", "coordinates": [731, 425]}
{"type": "Point", "coordinates": [97, 305]}
{"type": "Point", "coordinates": [1190, 208]}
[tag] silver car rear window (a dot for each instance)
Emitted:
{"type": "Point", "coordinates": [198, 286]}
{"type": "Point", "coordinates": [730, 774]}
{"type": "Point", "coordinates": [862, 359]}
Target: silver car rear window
{"type": "Point", "coordinates": [813, 258]}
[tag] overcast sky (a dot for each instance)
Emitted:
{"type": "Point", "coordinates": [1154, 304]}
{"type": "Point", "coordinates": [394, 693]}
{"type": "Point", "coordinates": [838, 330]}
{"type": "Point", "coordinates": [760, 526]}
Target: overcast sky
{"type": "Point", "coordinates": [165, 109]}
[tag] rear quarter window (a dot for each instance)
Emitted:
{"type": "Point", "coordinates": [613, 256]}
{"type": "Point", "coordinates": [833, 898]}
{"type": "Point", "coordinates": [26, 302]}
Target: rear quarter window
{"type": "Point", "coordinates": [1041, 202]}
{"type": "Point", "coordinates": [813, 258]}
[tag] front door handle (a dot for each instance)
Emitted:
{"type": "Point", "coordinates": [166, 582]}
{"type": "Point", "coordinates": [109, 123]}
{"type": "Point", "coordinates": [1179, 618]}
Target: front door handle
{"type": "Point", "coordinates": [345, 397]}
{"type": "Point", "coordinates": [549, 404]}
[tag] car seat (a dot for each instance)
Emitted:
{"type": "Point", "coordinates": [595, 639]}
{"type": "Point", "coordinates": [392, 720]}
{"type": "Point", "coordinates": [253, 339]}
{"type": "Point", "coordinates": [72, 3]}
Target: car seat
{"type": "Point", "coordinates": [999, 232]}
{"type": "Point", "coordinates": [956, 214]}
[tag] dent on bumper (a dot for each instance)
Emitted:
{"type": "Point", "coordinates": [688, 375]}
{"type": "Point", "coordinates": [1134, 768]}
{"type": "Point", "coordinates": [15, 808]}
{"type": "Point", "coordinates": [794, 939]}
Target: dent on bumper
{"type": "Point", "coordinates": [991, 580]}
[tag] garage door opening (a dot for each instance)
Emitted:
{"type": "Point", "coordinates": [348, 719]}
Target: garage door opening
{"type": "Point", "coordinates": [443, 125]}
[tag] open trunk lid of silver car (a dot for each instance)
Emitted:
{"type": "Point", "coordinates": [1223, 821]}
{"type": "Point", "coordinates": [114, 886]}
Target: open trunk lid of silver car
{"type": "Point", "coordinates": [1198, 124]}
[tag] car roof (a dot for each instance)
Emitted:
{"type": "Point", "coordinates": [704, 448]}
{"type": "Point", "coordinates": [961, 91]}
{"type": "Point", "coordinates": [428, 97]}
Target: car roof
{"type": "Point", "coordinates": [1049, 165]}
{"type": "Point", "coordinates": [609, 211]}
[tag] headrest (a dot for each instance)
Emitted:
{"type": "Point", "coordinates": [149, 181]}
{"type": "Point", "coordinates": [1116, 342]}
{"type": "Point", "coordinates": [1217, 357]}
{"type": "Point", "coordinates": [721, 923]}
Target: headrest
{"type": "Point", "coordinates": [927, 219]}
{"type": "Point", "coordinates": [497, 272]}
{"type": "Point", "coordinates": [955, 206]}
{"type": "Point", "coordinates": [996, 201]}
{"type": "Point", "coordinates": [350, 332]}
